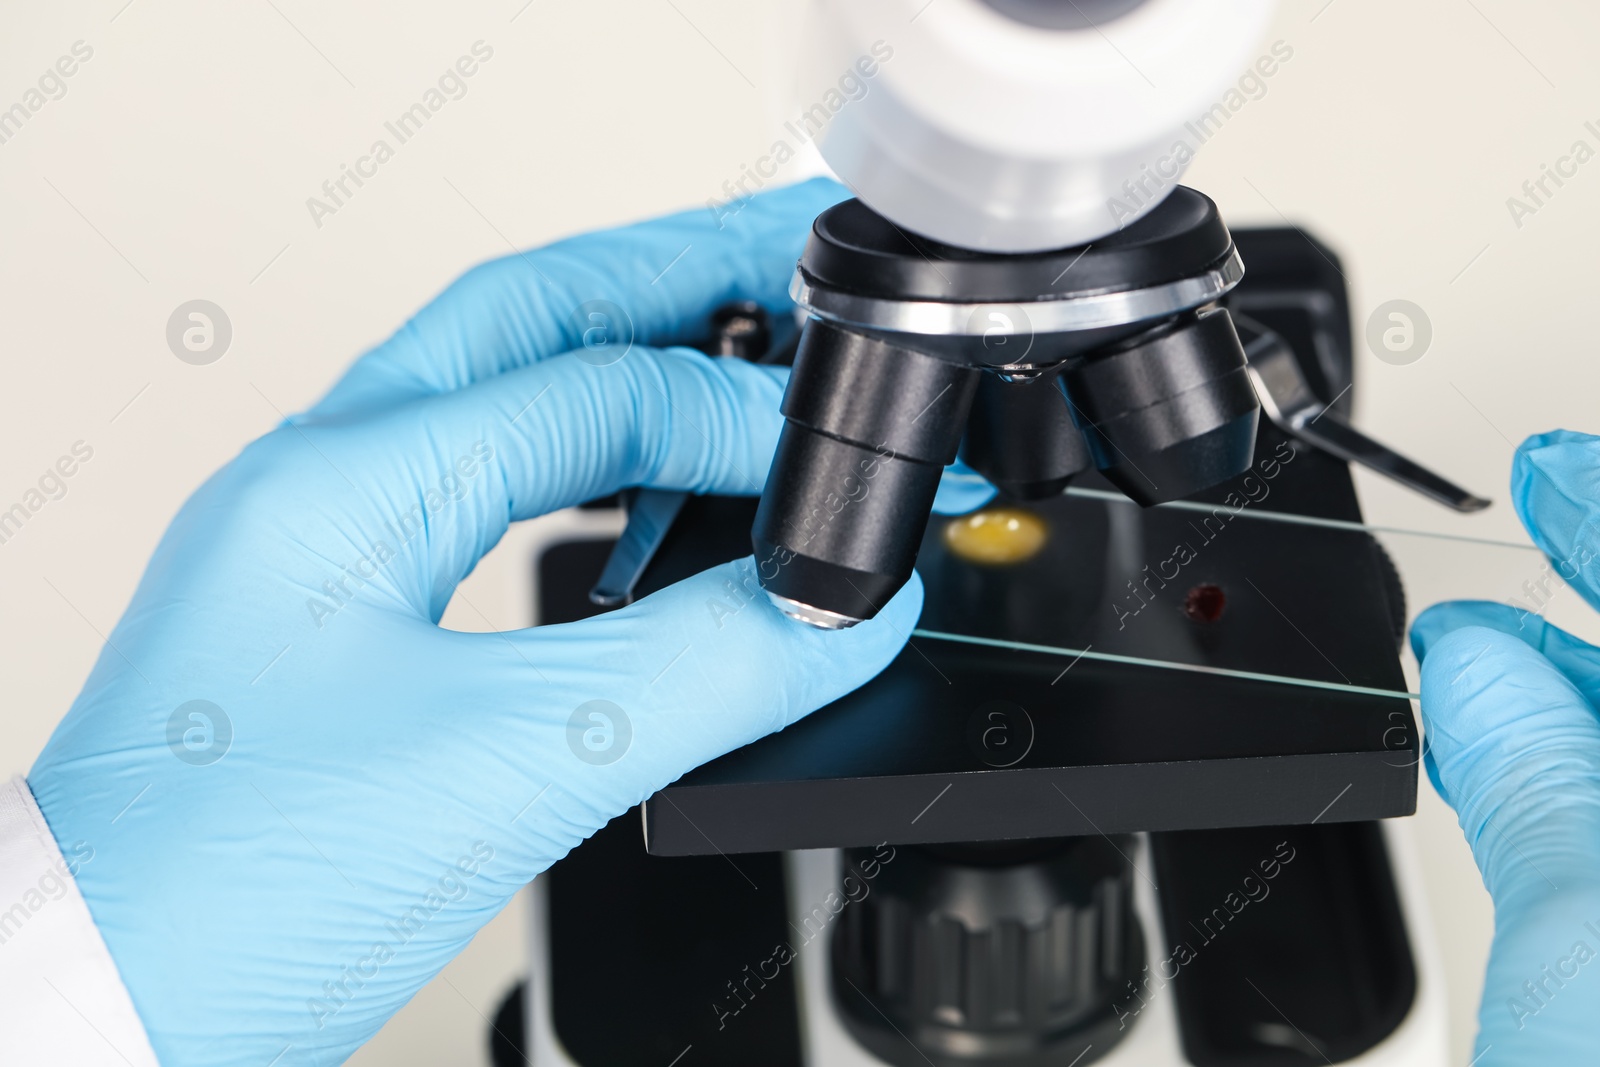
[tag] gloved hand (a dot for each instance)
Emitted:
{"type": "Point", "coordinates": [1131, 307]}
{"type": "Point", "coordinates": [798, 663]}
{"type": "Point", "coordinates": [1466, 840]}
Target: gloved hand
{"type": "Point", "coordinates": [1510, 703]}
{"type": "Point", "coordinates": [304, 797]}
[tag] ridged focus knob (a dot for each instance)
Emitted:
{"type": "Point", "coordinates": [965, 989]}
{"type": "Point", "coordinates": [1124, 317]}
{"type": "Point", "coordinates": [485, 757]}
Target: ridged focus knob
{"type": "Point", "coordinates": [1009, 955]}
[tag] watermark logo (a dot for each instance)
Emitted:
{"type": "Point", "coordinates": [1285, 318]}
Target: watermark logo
{"type": "Point", "coordinates": [854, 887]}
{"type": "Point", "coordinates": [1538, 992]}
{"type": "Point", "coordinates": [51, 85]}
{"type": "Point", "coordinates": [199, 733]}
{"type": "Point", "coordinates": [451, 887]}
{"type": "Point", "coordinates": [1151, 182]}
{"type": "Point", "coordinates": [338, 191]}
{"type": "Point", "coordinates": [852, 85]}
{"type": "Point", "coordinates": [52, 485]}
{"type": "Point", "coordinates": [1007, 333]}
{"type": "Point", "coordinates": [1145, 588]}
{"type": "Point", "coordinates": [53, 883]}
{"type": "Point", "coordinates": [1399, 332]}
{"type": "Point", "coordinates": [199, 332]}
{"type": "Point", "coordinates": [599, 732]}
{"type": "Point", "coordinates": [1540, 591]}
{"type": "Point", "coordinates": [1000, 733]}
{"type": "Point", "coordinates": [404, 528]}
{"type": "Point", "coordinates": [1397, 738]}
{"type": "Point", "coordinates": [604, 332]}
{"type": "Point", "coordinates": [1538, 191]}
{"type": "Point", "coordinates": [1253, 888]}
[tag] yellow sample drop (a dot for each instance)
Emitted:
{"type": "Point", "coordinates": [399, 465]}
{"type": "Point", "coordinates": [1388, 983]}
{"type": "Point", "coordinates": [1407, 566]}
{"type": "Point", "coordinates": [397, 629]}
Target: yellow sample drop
{"type": "Point", "coordinates": [998, 535]}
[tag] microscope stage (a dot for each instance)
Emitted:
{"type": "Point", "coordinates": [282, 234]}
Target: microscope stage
{"type": "Point", "coordinates": [977, 740]}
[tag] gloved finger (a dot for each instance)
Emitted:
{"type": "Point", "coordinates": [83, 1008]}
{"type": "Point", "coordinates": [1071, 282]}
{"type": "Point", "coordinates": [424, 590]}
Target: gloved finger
{"type": "Point", "coordinates": [1538, 1006]}
{"type": "Point", "coordinates": [1555, 486]}
{"type": "Point", "coordinates": [681, 677]}
{"type": "Point", "coordinates": [455, 470]}
{"type": "Point", "coordinates": [1577, 659]}
{"type": "Point", "coordinates": [1516, 748]}
{"type": "Point", "coordinates": [653, 283]}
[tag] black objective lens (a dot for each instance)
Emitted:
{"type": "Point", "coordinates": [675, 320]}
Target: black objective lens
{"type": "Point", "coordinates": [1170, 411]}
{"type": "Point", "coordinates": [1021, 437]}
{"type": "Point", "coordinates": [870, 428]}
{"type": "Point", "coordinates": [1114, 356]}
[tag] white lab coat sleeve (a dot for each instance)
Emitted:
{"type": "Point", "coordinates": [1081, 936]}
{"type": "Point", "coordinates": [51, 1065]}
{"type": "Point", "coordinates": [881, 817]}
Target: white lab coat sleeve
{"type": "Point", "coordinates": [61, 999]}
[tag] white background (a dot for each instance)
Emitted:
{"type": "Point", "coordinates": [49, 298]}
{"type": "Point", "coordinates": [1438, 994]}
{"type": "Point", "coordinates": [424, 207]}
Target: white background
{"type": "Point", "coordinates": [178, 164]}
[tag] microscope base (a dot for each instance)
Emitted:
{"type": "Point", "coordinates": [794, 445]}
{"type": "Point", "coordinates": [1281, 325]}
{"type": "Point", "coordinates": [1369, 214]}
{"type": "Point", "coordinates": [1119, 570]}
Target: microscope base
{"type": "Point", "coordinates": [1155, 1022]}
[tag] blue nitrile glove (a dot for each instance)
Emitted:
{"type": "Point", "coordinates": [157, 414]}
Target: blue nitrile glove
{"type": "Point", "coordinates": [1514, 746]}
{"type": "Point", "coordinates": [303, 797]}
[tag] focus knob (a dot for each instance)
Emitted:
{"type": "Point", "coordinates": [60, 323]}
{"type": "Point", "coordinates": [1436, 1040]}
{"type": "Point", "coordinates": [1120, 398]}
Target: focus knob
{"type": "Point", "coordinates": [1009, 954]}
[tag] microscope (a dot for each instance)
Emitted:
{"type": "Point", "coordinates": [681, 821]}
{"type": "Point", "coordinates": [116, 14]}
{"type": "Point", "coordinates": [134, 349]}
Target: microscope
{"type": "Point", "coordinates": [1121, 798]}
